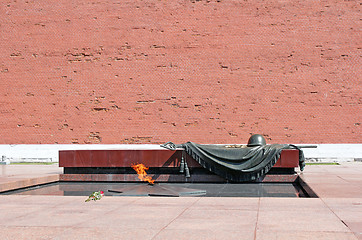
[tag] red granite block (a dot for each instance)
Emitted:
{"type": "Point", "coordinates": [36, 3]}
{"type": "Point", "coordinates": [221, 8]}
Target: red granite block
{"type": "Point", "coordinates": [99, 158]}
{"type": "Point", "coordinates": [280, 178]}
{"type": "Point", "coordinates": [82, 158]}
{"type": "Point", "coordinates": [191, 162]}
{"type": "Point", "coordinates": [67, 158]}
{"type": "Point", "coordinates": [116, 158]}
{"type": "Point", "coordinates": [75, 177]}
{"type": "Point", "coordinates": [174, 160]}
{"type": "Point", "coordinates": [150, 158]}
{"type": "Point", "coordinates": [134, 178]}
{"type": "Point", "coordinates": [289, 158]}
{"type": "Point", "coordinates": [158, 158]}
{"type": "Point", "coordinates": [166, 178]}
{"type": "Point", "coordinates": [130, 157]}
{"type": "Point", "coordinates": [278, 163]}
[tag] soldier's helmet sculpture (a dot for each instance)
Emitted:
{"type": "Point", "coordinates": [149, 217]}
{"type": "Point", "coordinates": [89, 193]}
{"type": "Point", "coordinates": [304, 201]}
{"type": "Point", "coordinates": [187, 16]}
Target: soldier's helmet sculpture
{"type": "Point", "coordinates": [256, 140]}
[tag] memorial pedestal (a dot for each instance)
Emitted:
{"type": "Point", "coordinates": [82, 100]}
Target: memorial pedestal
{"type": "Point", "coordinates": [164, 166]}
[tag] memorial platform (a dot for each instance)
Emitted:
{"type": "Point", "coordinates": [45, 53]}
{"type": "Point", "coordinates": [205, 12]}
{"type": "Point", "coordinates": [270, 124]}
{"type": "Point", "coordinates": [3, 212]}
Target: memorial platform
{"type": "Point", "coordinates": [164, 166]}
{"type": "Point", "coordinates": [334, 215]}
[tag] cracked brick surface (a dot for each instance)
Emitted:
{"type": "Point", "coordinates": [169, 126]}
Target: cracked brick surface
{"type": "Point", "coordinates": [202, 71]}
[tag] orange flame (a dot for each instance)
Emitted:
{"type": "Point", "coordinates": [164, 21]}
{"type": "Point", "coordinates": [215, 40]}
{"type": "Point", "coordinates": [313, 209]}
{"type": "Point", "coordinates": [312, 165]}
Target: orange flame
{"type": "Point", "coordinates": [141, 171]}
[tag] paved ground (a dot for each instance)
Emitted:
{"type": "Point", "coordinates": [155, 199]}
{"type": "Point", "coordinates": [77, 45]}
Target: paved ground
{"type": "Point", "coordinates": [337, 214]}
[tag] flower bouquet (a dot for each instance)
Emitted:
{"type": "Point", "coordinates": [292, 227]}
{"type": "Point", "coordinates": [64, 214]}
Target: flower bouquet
{"type": "Point", "coordinates": [95, 196]}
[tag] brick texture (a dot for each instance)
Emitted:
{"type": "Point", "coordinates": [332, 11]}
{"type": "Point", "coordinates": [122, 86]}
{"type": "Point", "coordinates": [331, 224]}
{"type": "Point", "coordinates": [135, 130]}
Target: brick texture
{"type": "Point", "coordinates": [203, 71]}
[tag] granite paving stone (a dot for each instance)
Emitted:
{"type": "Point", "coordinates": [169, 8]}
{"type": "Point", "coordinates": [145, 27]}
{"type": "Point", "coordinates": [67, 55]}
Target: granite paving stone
{"type": "Point", "coordinates": [302, 235]}
{"type": "Point", "coordinates": [242, 233]}
{"type": "Point", "coordinates": [335, 215]}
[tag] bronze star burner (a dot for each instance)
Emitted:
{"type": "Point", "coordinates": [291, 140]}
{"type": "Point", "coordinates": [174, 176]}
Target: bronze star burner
{"type": "Point", "coordinates": [156, 190]}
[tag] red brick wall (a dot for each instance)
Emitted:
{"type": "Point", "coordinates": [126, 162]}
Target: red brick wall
{"type": "Point", "coordinates": [203, 71]}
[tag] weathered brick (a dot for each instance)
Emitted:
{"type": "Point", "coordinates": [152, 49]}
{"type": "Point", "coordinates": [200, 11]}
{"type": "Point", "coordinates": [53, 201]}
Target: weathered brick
{"type": "Point", "coordinates": [157, 71]}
